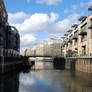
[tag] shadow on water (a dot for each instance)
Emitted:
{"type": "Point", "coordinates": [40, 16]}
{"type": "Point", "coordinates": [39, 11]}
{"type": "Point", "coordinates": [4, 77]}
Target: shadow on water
{"type": "Point", "coordinates": [9, 83]}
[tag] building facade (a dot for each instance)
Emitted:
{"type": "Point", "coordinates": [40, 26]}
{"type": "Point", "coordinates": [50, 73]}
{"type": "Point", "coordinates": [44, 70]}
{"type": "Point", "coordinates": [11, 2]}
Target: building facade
{"type": "Point", "coordinates": [9, 35]}
{"type": "Point", "coordinates": [79, 41]}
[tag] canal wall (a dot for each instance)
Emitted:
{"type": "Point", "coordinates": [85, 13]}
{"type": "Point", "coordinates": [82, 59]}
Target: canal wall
{"type": "Point", "coordinates": [8, 64]}
{"type": "Point", "coordinates": [83, 64]}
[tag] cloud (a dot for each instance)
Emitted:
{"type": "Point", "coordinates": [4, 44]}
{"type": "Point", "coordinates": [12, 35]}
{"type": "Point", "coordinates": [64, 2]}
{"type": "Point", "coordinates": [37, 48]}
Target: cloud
{"type": "Point", "coordinates": [27, 40]}
{"type": "Point", "coordinates": [29, 25]}
{"type": "Point", "coordinates": [40, 22]}
{"type": "Point", "coordinates": [17, 17]}
{"type": "Point", "coordinates": [49, 2]}
{"type": "Point", "coordinates": [62, 26]}
{"type": "Point", "coordinates": [37, 22]}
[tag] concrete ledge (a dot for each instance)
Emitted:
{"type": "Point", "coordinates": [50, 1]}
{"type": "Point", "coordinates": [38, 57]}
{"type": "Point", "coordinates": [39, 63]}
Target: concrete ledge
{"type": "Point", "coordinates": [79, 57]}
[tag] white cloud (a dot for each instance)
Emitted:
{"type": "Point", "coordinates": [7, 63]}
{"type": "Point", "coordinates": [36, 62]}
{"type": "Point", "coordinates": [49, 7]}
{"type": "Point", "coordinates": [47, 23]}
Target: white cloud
{"type": "Point", "coordinates": [49, 2]}
{"type": "Point", "coordinates": [37, 22]}
{"type": "Point", "coordinates": [17, 17]}
{"type": "Point", "coordinates": [64, 25]}
{"type": "Point", "coordinates": [40, 22]}
{"type": "Point", "coordinates": [27, 40]}
{"type": "Point", "coordinates": [28, 25]}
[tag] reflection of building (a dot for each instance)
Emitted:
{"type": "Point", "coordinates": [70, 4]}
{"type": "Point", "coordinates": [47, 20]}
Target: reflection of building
{"type": "Point", "coordinates": [79, 41]}
{"type": "Point", "coordinates": [9, 83]}
{"type": "Point", "coordinates": [76, 81]}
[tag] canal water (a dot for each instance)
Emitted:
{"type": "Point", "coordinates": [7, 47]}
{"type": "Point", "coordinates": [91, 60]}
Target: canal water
{"type": "Point", "coordinates": [46, 80]}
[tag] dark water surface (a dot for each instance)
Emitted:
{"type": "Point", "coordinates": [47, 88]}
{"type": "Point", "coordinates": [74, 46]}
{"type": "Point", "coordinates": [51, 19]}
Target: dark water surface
{"type": "Point", "coordinates": [47, 81]}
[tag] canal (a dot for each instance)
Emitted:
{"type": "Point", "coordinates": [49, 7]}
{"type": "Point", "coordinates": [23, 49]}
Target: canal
{"type": "Point", "coordinates": [46, 80]}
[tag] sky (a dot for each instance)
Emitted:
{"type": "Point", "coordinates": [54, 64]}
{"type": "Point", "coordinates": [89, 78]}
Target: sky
{"type": "Point", "coordinates": [38, 20]}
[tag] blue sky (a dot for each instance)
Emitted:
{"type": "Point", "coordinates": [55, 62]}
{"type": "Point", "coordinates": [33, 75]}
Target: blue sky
{"type": "Point", "coordinates": [37, 20]}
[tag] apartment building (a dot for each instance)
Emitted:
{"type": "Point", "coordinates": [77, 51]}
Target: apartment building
{"type": "Point", "coordinates": [79, 41]}
{"type": "Point", "coordinates": [47, 49]}
{"type": "Point", "coordinates": [29, 52]}
{"type": "Point", "coordinates": [56, 49]}
{"type": "Point", "coordinates": [39, 50]}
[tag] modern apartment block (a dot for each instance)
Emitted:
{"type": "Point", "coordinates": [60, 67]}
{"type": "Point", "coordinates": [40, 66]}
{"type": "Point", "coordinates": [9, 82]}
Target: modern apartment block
{"type": "Point", "coordinates": [79, 41]}
{"type": "Point", "coordinates": [9, 35]}
{"type": "Point", "coordinates": [56, 49]}
{"type": "Point", "coordinates": [53, 49]}
{"type": "Point", "coordinates": [39, 51]}
{"type": "Point", "coordinates": [47, 49]}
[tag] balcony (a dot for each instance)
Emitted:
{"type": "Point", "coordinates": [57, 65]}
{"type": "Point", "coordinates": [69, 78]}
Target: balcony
{"type": "Point", "coordinates": [90, 25]}
{"type": "Point", "coordinates": [83, 32]}
{"type": "Point", "coordinates": [75, 36]}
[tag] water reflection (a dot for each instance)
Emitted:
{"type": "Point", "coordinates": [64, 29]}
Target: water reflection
{"type": "Point", "coordinates": [77, 81]}
{"type": "Point", "coordinates": [42, 63]}
{"type": "Point", "coordinates": [46, 81]}
{"type": "Point", "coordinates": [9, 83]}
{"type": "Point", "coordinates": [55, 81]}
